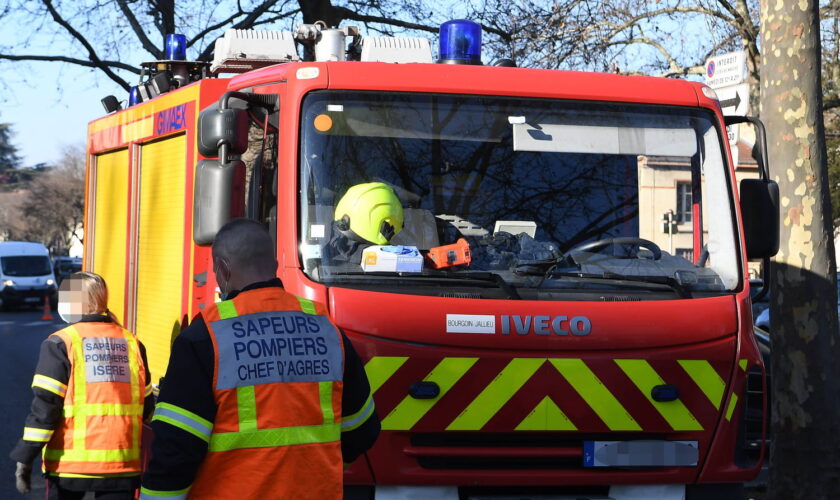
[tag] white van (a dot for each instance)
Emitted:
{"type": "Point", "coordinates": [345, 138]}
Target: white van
{"type": "Point", "coordinates": [26, 275]}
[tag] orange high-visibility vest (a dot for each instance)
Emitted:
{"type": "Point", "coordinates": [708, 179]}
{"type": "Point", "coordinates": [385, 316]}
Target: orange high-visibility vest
{"type": "Point", "coordinates": [103, 406]}
{"type": "Point", "coordinates": [279, 366]}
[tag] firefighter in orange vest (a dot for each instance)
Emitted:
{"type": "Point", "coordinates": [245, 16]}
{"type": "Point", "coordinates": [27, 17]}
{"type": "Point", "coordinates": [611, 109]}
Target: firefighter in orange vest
{"type": "Point", "coordinates": [263, 397]}
{"type": "Point", "coordinates": [92, 393]}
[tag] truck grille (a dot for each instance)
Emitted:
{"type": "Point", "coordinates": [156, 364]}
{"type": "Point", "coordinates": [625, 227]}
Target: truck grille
{"type": "Point", "coordinates": [750, 432]}
{"type": "Point", "coordinates": [460, 295]}
{"type": "Point", "coordinates": [619, 298]}
{"type": "Point", "coordinates": [506, 451]}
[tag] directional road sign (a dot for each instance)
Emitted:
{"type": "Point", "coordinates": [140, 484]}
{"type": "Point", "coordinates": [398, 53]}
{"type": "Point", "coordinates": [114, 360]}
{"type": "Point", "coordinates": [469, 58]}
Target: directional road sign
{"type": "Point", "coordinates": [726, 69]}
{"type": "Point", "coordinates": [734, 99]}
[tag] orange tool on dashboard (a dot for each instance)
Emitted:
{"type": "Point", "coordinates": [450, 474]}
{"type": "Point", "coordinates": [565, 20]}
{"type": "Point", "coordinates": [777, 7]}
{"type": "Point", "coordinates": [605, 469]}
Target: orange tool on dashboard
{"type": "Point", "coordinates": [456, 254]}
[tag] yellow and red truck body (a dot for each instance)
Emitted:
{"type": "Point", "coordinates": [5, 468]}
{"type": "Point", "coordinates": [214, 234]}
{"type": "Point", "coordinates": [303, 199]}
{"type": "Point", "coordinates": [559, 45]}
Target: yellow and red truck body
{"type": "Point", "coordinates": [515, 408]}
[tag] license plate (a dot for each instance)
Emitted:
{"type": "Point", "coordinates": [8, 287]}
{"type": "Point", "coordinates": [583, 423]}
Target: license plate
{"type": "Point", "coordinates": [539, 497]}
{"type": "Point", "coordinates": [642, 453]}
{"type": "Point", "coordinates": [32, 299]}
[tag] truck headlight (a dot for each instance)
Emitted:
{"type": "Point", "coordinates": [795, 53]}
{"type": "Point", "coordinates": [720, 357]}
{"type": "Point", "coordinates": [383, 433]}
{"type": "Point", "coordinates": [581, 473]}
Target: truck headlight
{"type": "Point", "coordinates": [50, 282]}
{"type": "Point", "coordinates": [8, 283]}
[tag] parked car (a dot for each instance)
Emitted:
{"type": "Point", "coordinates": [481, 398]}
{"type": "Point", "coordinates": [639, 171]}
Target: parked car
{"type": "Point", "coordinates": [65, 266]}
{"type": "Point", "coordinates": [760, 300]}
{"type": "Point", "coordinates": [763, 320]}
{"type": "Point", "coordinates": [26, 276]}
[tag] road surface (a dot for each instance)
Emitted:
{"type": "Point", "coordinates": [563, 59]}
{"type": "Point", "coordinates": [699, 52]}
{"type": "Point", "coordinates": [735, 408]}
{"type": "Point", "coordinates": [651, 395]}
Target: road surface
{"type": "Point", "coordinates": [21, 334]}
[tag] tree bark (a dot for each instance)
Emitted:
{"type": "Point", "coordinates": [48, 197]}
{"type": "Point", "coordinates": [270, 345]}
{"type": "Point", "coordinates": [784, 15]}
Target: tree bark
{"type": "Point", "coordinates": [805, 457]}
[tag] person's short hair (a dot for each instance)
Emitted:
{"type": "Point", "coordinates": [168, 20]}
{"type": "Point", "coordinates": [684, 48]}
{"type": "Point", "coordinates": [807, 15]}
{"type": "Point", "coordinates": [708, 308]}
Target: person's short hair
{"type": "Point", "coordinates": [246, 244]}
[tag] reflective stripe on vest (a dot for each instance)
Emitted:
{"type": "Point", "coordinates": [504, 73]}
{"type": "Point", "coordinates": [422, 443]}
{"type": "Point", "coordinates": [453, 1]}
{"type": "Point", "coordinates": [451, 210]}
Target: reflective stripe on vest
{"type": "Point", "coordinates": [248, 435]}
{"type": "Point", "coordinates": [79, 410]}
{"type": "Point", "coordinates": [96, 409]}
{"type": "Point", "coordinates": [184, 420]}
{"type": "Point", "coordinates": [354, 421]}
{"type": "Point", "coordinates": [125, 455]}
{"type": "Point", "coordinates": [147, 494]}
{"type": "Point", "coordinates": [37, 435]}
{"type": "Point", "coordinates": [49, 384]}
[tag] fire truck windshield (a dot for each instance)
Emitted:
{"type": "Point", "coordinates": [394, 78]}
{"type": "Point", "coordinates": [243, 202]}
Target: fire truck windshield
{"type": "Point", "coordinates": [550, 198]}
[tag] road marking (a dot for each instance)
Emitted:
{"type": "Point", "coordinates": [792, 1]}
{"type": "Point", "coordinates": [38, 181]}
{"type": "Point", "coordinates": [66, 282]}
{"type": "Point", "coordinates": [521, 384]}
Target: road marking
{"type": "Point", "coordinates": [3, 323]}
{"type": "Point", "coordinates": [37, 323]}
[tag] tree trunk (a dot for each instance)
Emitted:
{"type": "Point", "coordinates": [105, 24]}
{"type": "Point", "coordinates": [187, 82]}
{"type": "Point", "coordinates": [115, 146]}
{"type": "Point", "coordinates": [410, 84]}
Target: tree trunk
{"type": "Point", "coordinates": [805, 459]}
{"type": "Point", "coordinates": [319, 10]}
{"type": "Point", "coordinates": [166, 11]}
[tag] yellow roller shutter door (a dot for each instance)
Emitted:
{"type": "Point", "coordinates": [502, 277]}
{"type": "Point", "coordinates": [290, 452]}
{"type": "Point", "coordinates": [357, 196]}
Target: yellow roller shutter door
{"type": "Point", "coordinates": [160, 248]}
{"type": "Point", "coordinates": [110, 225]}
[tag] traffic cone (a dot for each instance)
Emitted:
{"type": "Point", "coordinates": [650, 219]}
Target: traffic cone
{"type": "Point", "coordinates": [47, 316]}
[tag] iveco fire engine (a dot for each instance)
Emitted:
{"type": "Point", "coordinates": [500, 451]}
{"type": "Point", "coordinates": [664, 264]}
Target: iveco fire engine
{"type": "Point", "coordinates": [550, 337]}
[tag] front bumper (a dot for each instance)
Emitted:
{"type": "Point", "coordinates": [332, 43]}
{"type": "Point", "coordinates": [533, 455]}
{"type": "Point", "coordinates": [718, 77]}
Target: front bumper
{"type": "Point", "coordinates": [15, 295]}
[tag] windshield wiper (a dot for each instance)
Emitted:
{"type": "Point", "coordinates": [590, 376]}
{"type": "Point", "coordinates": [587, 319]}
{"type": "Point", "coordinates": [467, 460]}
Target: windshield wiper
{"type": "Point", "coordinates": [668, 281]}
{"type": "Point", "coordinates": [481, 276]}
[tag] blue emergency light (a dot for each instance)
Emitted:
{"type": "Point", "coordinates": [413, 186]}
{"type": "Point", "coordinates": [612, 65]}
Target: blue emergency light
{"type": "Point", "coordinates": [176, 47]}
{"type": "Point", "coordinates": [134, 96]}
{"type": "Point", "coordinates": [460, 42]}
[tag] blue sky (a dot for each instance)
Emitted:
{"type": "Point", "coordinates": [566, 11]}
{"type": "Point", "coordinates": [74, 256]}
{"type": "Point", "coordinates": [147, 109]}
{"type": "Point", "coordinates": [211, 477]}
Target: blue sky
{"type": "Point", "coordinates": [46, 119]}
{"type": "Point", "coordinates": [50, 104]}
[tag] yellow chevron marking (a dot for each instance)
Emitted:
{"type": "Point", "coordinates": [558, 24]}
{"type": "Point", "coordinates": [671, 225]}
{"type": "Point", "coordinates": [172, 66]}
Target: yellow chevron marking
{"type": "Point", "coordinates": [733, 401]}
{"type": "Point", "coordinates": [495, 395]}
{"type": "Point", "coordinates": [646, 378]}
{"type": "Point", "coordinates": [743, 364]}
{"type": "Point", "coordinates": [411, 410]}
{"type": "Point", "coordinates": [706, 378]}
{"type": "Point", "coordinates": [380, 368]}
{"type": "Point", "coordinates": [546, 416]}
{"type": "Point", "coordinates": [593, 391]}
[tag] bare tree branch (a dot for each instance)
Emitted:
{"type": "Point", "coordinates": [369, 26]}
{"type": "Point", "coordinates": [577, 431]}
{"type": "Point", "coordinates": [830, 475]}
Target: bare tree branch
{"type": "Point", "coordinates": [139, 31]}
{"type": "Point", "coordinates": [345, 13]}
{"type": "Point", "coordinates": [213, 27]}
{"type": "Point", "coordinates": [674, 68]}
{"type": "Point", "coordinates": [254, 15]}
{"type": "Point", "coordinates": [283, 15]}
{"type": "Point", "coordinates": [71, 60]}
{"type": "Point", "coordinates": [94, 58]}
{"type": "Point", "coordinates": [249, 22]}
{"type": "Point", "coordinates": [634, 20]}
{"type": "Point", "coordinates": [246, 23]}
{"type": "Point", "coordinates": [738, 21]}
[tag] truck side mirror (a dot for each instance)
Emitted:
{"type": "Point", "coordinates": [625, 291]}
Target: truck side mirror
{"type": "Point", "coordinates": [219, 196]}
{"type": "Point", "coordinates": [760, 211]}
{"type": "Point", "coordinates": [222, 127]}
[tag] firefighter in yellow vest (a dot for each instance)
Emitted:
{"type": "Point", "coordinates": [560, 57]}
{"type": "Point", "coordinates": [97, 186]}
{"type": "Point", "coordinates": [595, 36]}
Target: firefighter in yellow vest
{"type": "Point", "coordinates": [263, 397]}
{"type": "Point", "coordinates": [92, 392]}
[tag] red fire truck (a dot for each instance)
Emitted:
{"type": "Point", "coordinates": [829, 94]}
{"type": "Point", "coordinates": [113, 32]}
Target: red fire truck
{"type": "Point", "coordinates": [584, 351]}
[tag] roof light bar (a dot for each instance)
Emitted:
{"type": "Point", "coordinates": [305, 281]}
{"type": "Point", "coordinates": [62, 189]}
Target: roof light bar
{"type": "Point", "coordinates": [176, 47]}
{"type": "Point", "coordinates": [460, 42]}
{"type": "Point", "coordinates": [134, 96]}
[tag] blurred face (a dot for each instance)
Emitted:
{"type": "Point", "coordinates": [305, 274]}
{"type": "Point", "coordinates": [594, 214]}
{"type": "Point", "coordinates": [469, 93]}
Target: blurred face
{"type": "Point", "coordinates": [71, 302]}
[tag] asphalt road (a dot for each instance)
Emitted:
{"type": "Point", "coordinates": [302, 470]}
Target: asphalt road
{"type": "Point", "coordinates": [21, 334]}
